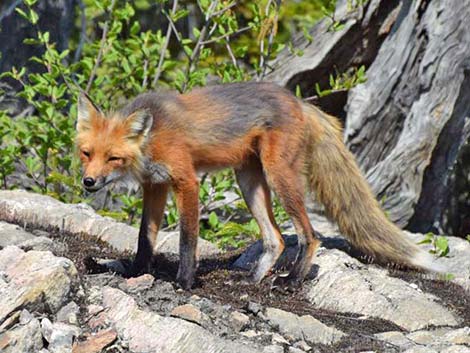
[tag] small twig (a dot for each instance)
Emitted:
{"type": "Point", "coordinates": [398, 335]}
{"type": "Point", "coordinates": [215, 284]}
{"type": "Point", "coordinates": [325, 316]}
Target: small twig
{"type": "Point", "coordinates": [311, 98]}
{"type": "Point", "coordinates": [101, 50]}
{"type": "Point", "coordinates": [165, 45]}
{"type": "Point", "coordinates": [227, 35]}
{"type": "Point", "coordinates": [232, 56]}
{"type": "Point", "coordinates": [226, 8]}
{"type": "Point", "coordinates": [316, 97]}
{"type": "Point", "coordinates": [175, 31]}
{"type": "Point", "coordinates": [81, 41]}
{"type": "Point", "coordinates": [144, 81]}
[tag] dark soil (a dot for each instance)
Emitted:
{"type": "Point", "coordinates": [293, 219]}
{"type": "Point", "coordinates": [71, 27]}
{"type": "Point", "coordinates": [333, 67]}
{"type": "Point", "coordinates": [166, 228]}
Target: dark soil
{"type": "Point", "coordinates": [217, 282]}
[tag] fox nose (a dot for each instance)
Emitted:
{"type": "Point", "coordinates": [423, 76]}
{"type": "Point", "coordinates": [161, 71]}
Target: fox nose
{"type": "Point", "coordinates": [88, 182]}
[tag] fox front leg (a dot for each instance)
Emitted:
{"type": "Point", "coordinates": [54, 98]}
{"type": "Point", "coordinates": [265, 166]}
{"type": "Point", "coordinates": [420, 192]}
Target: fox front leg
{"type": "Point", "coordinates": [187, 201]}
{"type": "Point", "coordinates": [154, 203]}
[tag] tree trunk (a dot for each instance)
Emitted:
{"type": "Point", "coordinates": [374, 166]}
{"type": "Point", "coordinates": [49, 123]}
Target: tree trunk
{"type": "Point", "coordinates": [408, 124]}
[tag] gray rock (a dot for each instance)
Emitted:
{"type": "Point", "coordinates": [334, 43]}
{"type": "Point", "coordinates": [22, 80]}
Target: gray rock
{"type": "Point", "coordinates": [188, 312]}
{"type": "Point", "coordinates": [396, 338]}
{"type": "Point", "coordinates": [457, 262]}
{"type": "Point", "coordinates": [274, 348]}
{"type": "Point", "coordinates": [420, 349]}
{"type": "Point", "coordinates": [96, 342]}
{"type": "Point", "coordinates": [458, 336]}
{"type": "Point", "coordinates": [277, 339]}
{"type": "Point", "coordinates": [168, 242]}
{"type": "Point", "coordinates": [68, 314]}
{"type": "Point", "coordinates": [426, 338]}
{"type": "Point", "coordinates": [11, 234]}
{"type": "Point", "coordinates": [25, 338]}
{"type": "Point", "coordinates": [141, 283]}
{"type": "Point", "coordinates": [346, 285]}
{"type": "Point", "coordinates": [295, 350]}
{"type": "Point", "coordinates": [238, 320]}
{"type": "Point", "coordinates": [60, 336]}
{"type": "Point", "coordinates": [149, 332]}
{"type": "Point", "coordinates": [436, 339]}
{"type": "Point", "coordinates": [456, 349]}
{"type": "Point", "coordinates": [302, 327]}
{"type": "Point", "coordinates": [255, 308]}
{"type": "Point", "coordinates": [38, 243]}
{"type": "Point", "coordinates": [34, 278]}
{"type": "Point", "coordinates": [45, 212]}
{"type": "Point", "coordinates": [303, 346]}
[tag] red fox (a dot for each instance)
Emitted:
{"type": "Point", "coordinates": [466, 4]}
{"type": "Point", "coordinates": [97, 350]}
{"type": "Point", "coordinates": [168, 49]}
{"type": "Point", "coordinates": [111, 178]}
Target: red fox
{"type": "Point", "coordinates": [273, 140]}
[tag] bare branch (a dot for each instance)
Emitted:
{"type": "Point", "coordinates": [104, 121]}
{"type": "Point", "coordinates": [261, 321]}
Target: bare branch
{"type": "Point", "coordinates": [175, 31]}
{"type": "Point", "coordinates": [232, 56]}
{"type": "Point", "coordinates": [315, 98]}
{"type": "Point", "coordinates": [227, 35]}
{"type": "Point", "coordinates": [165, 44]}
{"type": "Point", "coordinates": [221, 11]}
{"type": "Point", "coordinates": [101, 50]}
{"type": "Point", "coordinates": [146, 66]}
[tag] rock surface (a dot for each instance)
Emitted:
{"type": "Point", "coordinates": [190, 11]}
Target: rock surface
{"type": "Point", "coordinates": [11, 234]}
{"type": "Point", "coordinates": [96, 343]}
{"type": "Point", "coordinates": [344, 284]}
{"type": "Point", "coordinates": [147, 331]}
{"type": "Point", "coordinates": [303, 327]}
{"type": "Point", "coordinates": [456, 262]}
{"type": "Point", "coordinates": [46, 212]}
{"type": "Point", "coordinates": [25, 337]}
{"type": "Point", "coordinates": [32, 279]}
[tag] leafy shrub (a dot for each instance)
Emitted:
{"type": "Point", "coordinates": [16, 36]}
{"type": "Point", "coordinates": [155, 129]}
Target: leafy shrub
{"type": "Point", "coordinates": [231, 42]}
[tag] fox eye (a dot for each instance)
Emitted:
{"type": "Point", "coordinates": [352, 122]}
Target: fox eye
{"type": "Point", "coordinates": [86, 153]}
{"type": "Point", "coordinates": [110, 159]}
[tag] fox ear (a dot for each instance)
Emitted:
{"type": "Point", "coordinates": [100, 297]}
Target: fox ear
{"type": "Point", "coordinates": [86, 111]}
{"type": "Point", "coordinates": [140, 123]}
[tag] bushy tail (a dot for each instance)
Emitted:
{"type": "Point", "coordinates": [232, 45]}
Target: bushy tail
{"type": "Point", "coordinates": [339, 185]}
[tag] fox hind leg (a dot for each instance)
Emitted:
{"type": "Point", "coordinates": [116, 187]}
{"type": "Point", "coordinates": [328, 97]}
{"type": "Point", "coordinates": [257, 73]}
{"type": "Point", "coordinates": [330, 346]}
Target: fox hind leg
{"type": "Point", "coordinates": [284, 177]}
{"type": "Point", "coordinates": [257, 196]}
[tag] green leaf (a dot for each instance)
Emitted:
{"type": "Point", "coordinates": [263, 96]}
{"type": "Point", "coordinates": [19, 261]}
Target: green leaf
{"type": "Point", "coordinates": [33, 16]}
{"type": "Point", "coordinates": [22, 13]}
{"type": "Point", "coordinates": [213, 220]}
{"type": "Point", "coordinates": [442, 245]}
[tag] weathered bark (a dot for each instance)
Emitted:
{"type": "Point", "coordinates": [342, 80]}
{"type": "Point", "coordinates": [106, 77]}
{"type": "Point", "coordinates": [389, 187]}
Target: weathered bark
{"type": "Point", "coordinates": [408, 124]}
{"type": "Point", "coordinates": [357, 43]}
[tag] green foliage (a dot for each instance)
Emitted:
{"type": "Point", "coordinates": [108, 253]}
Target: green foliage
{"type": "Point", "coordinates": [344, 81]}
{"type": "Point", "coordinates": [233, 41]}
{"type": "Point", "coordinates": [440, 245]}
{"type": "Point", "coordinates": [230, 234]}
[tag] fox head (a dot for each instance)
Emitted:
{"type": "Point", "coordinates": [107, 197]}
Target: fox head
{"type": "Point", "coordinates": [110, 145]}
